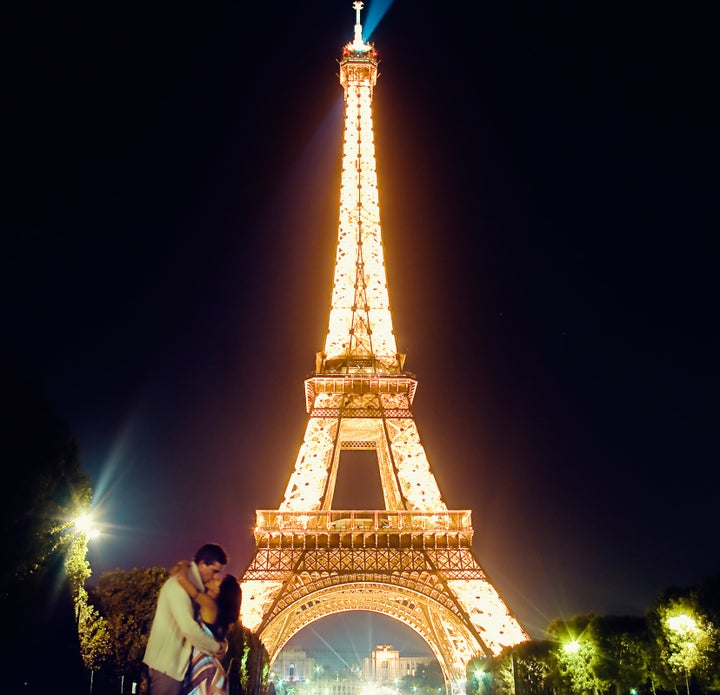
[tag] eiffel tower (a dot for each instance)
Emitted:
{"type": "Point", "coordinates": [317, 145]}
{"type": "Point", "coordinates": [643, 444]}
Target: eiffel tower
{"type": "Point", "coordinates": [413, 560]}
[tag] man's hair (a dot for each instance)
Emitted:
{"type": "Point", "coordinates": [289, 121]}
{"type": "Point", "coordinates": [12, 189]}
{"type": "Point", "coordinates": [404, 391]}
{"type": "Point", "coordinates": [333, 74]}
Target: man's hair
{"type": "Point", "coordinates": [210, 553]}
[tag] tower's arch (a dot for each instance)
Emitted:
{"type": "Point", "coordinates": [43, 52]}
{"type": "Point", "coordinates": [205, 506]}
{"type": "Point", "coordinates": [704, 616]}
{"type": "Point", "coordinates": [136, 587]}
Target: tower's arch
{"type": "Point", "coordinates": [438, 626]}
{"type": "Point", "coordinates": [431, 621]}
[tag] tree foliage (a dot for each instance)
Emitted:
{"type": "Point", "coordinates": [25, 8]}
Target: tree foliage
{"type": "Point", "coordinates": [95, 644]}
{"type": "Point", "coordinates": [126, 601]}
{"type": "Point", "coordinates": [575, 655]}
{"type": "Point", "coordinates": [533, 666]}
{"type": "Point", "coordinates": [39, 449]}
{"type": "Point", "coordinates": [247, 662]}
{"type": "Point", "coordinates": [674, 649]}
{"type": "Point", "coordinates": [623, 651]}
{"type": "Point", "coordinates": [49, 489]}
{"type": "Point", "coordinates": [686, 640]}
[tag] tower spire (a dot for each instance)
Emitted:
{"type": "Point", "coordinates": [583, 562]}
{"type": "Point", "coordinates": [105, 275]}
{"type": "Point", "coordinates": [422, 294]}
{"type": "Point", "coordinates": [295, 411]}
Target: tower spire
{"type": "Point", "coordinates": [357, 43]}
{"type": "Point", "coordinates": [360, 336]}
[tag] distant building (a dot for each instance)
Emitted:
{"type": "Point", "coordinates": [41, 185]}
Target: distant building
{"type": "Point", "coordinates": [293, 665]}
{"type": "Point", "coordinates": [332, 687]}
{"type": "Point", "coordinates": [296, 673]}
{"type": "Point", "coordinates": [385, 665]}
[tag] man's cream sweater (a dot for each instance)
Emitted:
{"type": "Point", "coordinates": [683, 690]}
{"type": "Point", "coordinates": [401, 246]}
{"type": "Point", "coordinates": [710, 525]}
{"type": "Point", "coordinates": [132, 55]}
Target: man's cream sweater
{"type": "Point", "coordinates": [175, 631]}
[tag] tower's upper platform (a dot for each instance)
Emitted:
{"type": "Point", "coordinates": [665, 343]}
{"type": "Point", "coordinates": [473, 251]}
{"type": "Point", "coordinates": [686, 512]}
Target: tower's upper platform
{"type": "Point", "coordinates": [357, 51]}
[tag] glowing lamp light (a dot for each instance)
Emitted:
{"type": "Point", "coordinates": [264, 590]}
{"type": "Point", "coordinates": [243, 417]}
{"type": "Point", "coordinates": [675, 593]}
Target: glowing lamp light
{"type": "Point", "coordinates": [682, 623]}
{"type": "Point", "coordinates": [572, 647]}
{"type": "Point", "coordinates": [84, 524]}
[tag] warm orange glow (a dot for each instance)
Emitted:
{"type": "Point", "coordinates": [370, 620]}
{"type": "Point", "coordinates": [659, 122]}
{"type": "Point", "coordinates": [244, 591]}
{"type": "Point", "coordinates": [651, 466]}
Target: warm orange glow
{"type": "Point", "coordinates": [257, 597]}
{"type": "Point", "coordinates": [412, 560]}
{"type": "Point", "coordinates": [488, 613]}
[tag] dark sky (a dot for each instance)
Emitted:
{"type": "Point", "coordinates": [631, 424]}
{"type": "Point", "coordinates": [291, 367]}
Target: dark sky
{"type": "Point", "coordinates": [549, 195]}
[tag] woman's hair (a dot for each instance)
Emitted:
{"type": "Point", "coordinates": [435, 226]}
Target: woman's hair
{"type": "Point", "coordinates": [228, 603]}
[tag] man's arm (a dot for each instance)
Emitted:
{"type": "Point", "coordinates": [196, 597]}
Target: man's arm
{"type": "Point", "coordinates": [208, 606]}
{"type": "Point", "coordinates": [181, 609]}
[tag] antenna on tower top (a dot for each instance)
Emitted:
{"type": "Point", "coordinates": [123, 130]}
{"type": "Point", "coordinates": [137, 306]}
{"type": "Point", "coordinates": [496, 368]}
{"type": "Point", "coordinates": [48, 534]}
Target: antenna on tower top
{"type": "Point", "coordinates": [358, 44]}
{"type": "Point", "coordinates": [357, 6]}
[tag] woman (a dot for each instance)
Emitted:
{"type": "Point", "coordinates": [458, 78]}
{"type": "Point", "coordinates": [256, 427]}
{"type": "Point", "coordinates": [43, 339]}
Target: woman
{"type": "Point", "coordinates": [217, 609]}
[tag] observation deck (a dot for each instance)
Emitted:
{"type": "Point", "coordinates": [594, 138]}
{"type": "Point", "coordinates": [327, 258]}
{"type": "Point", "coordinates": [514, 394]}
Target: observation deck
{"type": "Point", "coordinates": [358, 384]}
{"type": "Point", "coordinates": [333, 528]}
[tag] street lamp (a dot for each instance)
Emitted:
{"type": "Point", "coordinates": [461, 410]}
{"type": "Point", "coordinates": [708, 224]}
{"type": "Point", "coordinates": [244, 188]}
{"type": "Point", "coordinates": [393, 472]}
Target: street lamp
{"type": "Point", "coordinates": [84, 524]}
{"type": "Point", "coordinates": [571, 647]}
{"type": "Point", "coordinates": [682, 623]}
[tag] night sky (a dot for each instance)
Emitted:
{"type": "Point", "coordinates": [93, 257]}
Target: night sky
{"type": "Point", "coordinates": [549, 197]}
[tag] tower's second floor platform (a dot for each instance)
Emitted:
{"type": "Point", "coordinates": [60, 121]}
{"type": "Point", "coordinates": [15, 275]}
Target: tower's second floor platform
{"type": "Point", "coordinates": [379, 528]}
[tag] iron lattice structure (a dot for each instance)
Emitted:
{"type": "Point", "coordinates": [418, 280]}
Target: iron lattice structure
{"type": "Point", "coordinates": [413, 560]}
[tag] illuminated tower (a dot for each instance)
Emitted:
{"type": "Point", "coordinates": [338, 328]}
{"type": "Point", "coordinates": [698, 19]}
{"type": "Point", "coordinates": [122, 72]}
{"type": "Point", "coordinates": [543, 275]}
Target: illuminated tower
{"type": "Point", "coordinates": [411, 560]}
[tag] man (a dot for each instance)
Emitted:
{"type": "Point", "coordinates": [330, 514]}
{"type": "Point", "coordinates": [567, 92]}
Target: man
{"type": "Point", "coordinates": [175, 631]}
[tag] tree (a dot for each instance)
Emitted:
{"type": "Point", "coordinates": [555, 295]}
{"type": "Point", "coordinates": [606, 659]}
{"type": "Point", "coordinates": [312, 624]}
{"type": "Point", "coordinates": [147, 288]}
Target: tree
{"type": "Point", "coordinates": [479, 676]}
{"type": "Point", "coordinates": [575, 653]}
{"type": "Point", "coordinates": [49, 490]}
{"type": "Point", "coordinates": [686, 639]}
{"type": "Point", "coordinates": [246, 648]}
{"type": "Point", "coordinates": [429, 679]}
{"type": "Point", "coordinates": [708, 596]}
{"type": "Point", "coordinates": [434, 678]}
{"type": "Point", "coordinates": [623, 647]}
{"type": "Point", "coordinates": [533, 666]}
{"type": "Point", "coordinates": [502, 680]}
{"type": "Point", "coordinates": [125, 601]}
{"type": "Point", "coordinates": [233, 662]}
{"type": "Point", "coordinates": [95, 643]}
{"type": "Point", "coordinates": [43, 455]}
{"type": "Point", "coordinates": [523, 669]}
